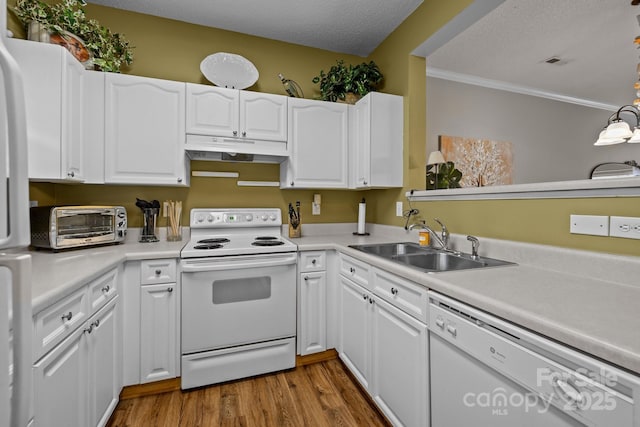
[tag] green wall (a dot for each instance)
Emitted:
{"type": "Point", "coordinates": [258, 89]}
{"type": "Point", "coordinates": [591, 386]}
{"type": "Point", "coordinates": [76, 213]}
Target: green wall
{"type": "Point", "coordinates": [173, 50]}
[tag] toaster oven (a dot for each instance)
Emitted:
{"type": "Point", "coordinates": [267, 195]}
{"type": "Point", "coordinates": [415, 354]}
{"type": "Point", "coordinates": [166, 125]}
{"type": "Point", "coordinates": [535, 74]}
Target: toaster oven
{"type": "Point", "coordinates": [61, 227]}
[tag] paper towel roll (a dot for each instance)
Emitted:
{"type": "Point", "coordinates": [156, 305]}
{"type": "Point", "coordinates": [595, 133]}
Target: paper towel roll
{"type": "Point", "coordinates": [362, 212]}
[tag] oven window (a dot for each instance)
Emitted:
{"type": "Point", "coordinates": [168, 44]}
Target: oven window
{"type": "Point", "coordinates": [241, 289]}
{"type": "Point", "coordinates": [90, 224]}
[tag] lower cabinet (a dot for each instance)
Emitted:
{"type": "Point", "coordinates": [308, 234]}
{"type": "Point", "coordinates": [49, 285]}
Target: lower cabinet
{"type": "Point", "coordinates": [158, 343]}
{"type": "Point", "coordinates": [386, 349]}
{"type": "Point", "coordinates": [312, 302]}
{"type": "Point", "coordinates": [78, 382]}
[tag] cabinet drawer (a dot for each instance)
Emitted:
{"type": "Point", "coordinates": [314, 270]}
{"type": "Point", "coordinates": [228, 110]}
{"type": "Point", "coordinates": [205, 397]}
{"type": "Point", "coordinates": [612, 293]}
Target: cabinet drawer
{"type": "Point", "coordinates": [55, 323]}
{"type": "Point", "coordinates": [355, 270]}
{"type": "Point", "coordinates": [102, 290]}
{"type": "Point", "coordinates": [158, 271]}
{"type": "Point", "coordinates": [312, 261]}
{"type": "Point", "coordinates": [403, 294]}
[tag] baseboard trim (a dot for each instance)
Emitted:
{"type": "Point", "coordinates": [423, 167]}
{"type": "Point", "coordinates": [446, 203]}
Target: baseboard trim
{"type": "Point", "coordinates": [156, 387]}
{"type": "Point", "coordinates": [310, 359]}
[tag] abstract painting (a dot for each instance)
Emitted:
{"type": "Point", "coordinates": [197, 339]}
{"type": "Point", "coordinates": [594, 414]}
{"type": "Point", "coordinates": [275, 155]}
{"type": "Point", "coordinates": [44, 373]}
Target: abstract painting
{"type": "Point", "coordinates": [481, 161]}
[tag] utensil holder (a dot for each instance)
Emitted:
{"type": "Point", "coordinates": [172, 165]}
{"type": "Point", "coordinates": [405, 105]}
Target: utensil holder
{"type": "Point", "coordinates": [149, 231]}
{"type": "Point", "coordinates": [295, 232]}
{"type": "Point", "coordinates": [174, 218]}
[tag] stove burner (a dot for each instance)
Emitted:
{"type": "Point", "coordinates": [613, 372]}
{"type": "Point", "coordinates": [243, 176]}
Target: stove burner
{"type": "Point", "coordinates": [267, 243]}
{"type": "Point", "coordinates": [208, 246]}
{"type": "Point", "coordinates": [214, 240]}
{"type": "Point", "coordinates": [266, 238]}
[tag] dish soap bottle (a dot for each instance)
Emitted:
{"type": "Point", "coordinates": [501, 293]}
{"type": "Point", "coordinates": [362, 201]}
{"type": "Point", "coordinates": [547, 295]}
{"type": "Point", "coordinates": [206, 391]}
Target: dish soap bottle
{"type": "Point", "coordinates": [292, 88]}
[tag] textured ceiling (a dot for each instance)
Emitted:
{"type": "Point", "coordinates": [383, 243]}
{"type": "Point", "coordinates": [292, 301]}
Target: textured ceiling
{"type": "Point", "coordinates": [592, 38]}
{"type": "Point", "coordinates": [347, 26]}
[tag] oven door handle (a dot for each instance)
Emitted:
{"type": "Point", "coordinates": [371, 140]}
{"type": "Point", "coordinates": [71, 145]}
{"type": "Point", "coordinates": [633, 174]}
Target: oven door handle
{"type": "Point", "coordinates": [234, 263]}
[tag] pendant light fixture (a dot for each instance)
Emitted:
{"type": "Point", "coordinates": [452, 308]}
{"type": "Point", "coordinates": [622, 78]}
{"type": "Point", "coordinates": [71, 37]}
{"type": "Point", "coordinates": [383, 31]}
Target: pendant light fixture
{"type": "Point", "coordinates": [618, 131]}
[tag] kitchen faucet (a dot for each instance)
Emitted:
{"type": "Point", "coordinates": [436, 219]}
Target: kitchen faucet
{"type": "Point", "coordinates": [443, 240]}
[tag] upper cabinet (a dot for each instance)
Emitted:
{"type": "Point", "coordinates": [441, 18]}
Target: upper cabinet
{"type": "Point", "coordinates": [376, 141]}
{"type": "Point", "coordinates": [234, 120]}
{"type": "Point", "coordinates": [318, 136]}
{"type": "Point", "coordinates": [144, 131]}
{"type": "Point", "coordinates": [53, 81]}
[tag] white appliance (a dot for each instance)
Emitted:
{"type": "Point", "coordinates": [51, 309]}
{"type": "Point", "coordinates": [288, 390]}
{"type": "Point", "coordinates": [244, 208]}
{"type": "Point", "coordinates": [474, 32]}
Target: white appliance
{"type": "Point", "coordinates": [238, 296]}
{"type": "Point", "coordinates": [15, 268]}
{"type": "Point", "coordinates": [485, 371]}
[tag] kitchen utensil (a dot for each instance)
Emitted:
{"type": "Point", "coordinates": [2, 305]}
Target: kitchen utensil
{"type": "Point", "coordinates": [174, 215]}
{"type": "Point", "coordinates": [148, 234]}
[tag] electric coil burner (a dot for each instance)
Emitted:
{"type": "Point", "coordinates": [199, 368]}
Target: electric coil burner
{"type": "Point", "coordinates": [238, 296]}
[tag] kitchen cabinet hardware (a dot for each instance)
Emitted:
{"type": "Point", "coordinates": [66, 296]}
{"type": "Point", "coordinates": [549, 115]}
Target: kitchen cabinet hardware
{"type": "Point", "coordinates": [394, 291]}
{"type": "Point", "coordinates": [306, 278]}
{"type": "Point", "coordinates": [365, 182]}
{"type": "Point", "coordinates": [106, 289]}
{"type": "Point", "coordinates": [179, 179]}
{"type": "Point", "coordinates": [371, 301]}
{"type": "Point", "coordinates": [365, 296]}
{"type": "Point", "coordinates": [71, 174]}
{"type": "Point", "coordinates": [158, 271]}
{"type": "Point", "coordinates": [352, 270]}
{"type": "Point", "coordinates": [96, 323]}
{"type": "Point", "coordinates": [244, 133]}
{"type": "Point", "coordinates": [314, 261]}
{"type": "Point", "coordinates": [67, 316]}
{"type": "Point", "coordinates": [292, 183]}
{"type": "Point", "coordinates": [170, 289]}
{"type": "Point", "coordinates": [235, 133]}
{"type": "Point", "coordinates": [89, 329]}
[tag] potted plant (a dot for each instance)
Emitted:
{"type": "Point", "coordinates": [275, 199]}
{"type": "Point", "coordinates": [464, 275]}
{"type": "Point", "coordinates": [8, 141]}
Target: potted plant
{"type": "Point", "coordinates": [65, 20]}
{"type": "Point", "coordinates": [342, 80]}
{"type": "Point", "coordinates": [447, 176]}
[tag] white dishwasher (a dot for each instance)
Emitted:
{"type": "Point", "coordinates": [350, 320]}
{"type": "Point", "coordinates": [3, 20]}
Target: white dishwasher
{"type": "Point", "coordinates": [488, 372]}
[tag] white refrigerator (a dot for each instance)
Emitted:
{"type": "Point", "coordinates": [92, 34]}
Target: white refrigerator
{"type": "Point", "coordinates": [15, 263]}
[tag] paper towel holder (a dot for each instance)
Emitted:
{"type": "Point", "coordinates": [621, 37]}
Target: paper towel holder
{"type": "Point", "coordinates": [361, 219]}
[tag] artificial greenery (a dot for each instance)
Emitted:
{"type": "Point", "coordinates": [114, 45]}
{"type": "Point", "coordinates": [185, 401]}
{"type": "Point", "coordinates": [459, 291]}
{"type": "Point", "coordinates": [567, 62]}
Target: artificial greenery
{"type": "Point", "coordinates": [448, 176]}
{"type": "Point", "coordinates": [109, 50]}
{"type": "Point", "coordinates": [342, 79]}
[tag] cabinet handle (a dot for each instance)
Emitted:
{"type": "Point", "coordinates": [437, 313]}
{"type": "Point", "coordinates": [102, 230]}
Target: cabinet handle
{"type": "Point", "coordinates": [158, 271]}
{"type": "Point", "coordinates": [67, 316]}
{"type": "Point", "coordinates": [179, 179]}
{"type": "Point", "coordinates": [394, 291]}
{"type": "Point", "coordinates": [306, 278]}
{"type": "Point", "coordinates": [365, 296]}
{"type": "Point", "coordinates": [292, 183]}
{"type": "Point", "coordinates": [89, 329]}
{"type": "Point", "coordinates": [71, 174]}
{"type": "Point", "coordinates": [352, 270]}
{"type": "Point", "coordinates": [96, 323]}
{"type": "Point", "coordinates": [244, 133]}
{"type": "Point", "coordinates": [235, 133]}
{"type": "Point", "coordinates": [313, 261]}
{"type": "Point", "coordinates": [364, 182]}
{"type": "Point", "coordinates": [106, 289]}
{"type": "Point", "coordinates": [371, 301]}
{"type": "Point", "coordinates": [169, 290]}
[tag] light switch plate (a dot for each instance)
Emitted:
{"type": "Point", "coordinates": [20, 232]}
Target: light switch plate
{"type": "Point", "coordinates": [399, 209]}
{"type": "Point", "coordinates": [595, 225]}
{"type": "Point", "coordinates": [625, 226]}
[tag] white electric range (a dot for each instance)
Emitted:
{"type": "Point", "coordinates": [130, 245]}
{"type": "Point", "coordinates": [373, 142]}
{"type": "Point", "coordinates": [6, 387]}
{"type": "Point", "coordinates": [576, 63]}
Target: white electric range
{"type": "Point", "coordinates": [238, 296]}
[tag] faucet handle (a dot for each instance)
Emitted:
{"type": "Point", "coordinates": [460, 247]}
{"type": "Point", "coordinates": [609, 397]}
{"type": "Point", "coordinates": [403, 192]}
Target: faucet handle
{"type": "Point", "coordinates": [475, 244]}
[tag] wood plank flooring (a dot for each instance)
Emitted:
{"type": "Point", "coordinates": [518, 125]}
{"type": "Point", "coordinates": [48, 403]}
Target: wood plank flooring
{"type": "Point", "coordinates": [316, 395]}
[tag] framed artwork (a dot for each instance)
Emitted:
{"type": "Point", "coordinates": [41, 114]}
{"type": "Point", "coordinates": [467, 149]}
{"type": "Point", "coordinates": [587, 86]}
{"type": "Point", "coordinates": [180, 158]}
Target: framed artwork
{"type": "Point", "coordinates": [481, 161]}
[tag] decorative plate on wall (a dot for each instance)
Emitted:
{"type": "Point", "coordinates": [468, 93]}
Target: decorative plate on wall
{"type": "Point", "coordinates": [229, 70]}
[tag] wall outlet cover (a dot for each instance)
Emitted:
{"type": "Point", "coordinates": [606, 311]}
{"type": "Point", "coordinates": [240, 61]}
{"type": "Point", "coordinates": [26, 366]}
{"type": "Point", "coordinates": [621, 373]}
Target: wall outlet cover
{"type": "Point", "coordinates": [399, 210]}
{"type": "Point", "coordinates": [625, 226]}
{"type": "Point", "coordinates": [594, 225]}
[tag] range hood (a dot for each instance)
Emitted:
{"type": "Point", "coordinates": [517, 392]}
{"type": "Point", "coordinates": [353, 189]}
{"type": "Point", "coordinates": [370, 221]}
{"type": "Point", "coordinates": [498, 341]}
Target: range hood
{"type": "Point", "coordinates": [212, 148]}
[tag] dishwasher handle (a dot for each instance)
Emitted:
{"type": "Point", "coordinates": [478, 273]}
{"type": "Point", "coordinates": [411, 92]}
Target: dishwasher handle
{"type": "Point", "coordinates": [235, 263]}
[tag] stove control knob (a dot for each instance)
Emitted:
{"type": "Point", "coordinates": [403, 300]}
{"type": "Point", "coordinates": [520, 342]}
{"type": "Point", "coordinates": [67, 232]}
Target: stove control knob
{"type": "Point", "coordinates": [264, 217]}
{"type": "Point", "coordinates": [272, 217]}
{"type": "Point", "coordinates": [249, 218]}
{"type": "Point", "coordinates": [199, 218]}
{"type": "Point", "coordinates": [210, 218]}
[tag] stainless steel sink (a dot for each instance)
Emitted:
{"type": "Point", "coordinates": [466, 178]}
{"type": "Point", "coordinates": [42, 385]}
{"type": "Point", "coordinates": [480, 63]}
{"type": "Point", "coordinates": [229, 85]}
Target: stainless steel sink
{"type": "Point", "coordinates": [429, 259]}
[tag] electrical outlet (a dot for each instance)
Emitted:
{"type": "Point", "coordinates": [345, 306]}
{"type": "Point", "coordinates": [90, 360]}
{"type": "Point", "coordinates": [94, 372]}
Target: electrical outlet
{"type": "Point", "coordinates": [625, 226]}
{"type": "Point", "coordinates": [315, 208]}
{"type": "Point", "coordinates": [589, 224]}
{"type": "Point", "coordinates": [399, 210]}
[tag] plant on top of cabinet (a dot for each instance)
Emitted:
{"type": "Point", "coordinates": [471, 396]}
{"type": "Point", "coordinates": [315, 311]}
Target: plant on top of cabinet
{"type": "Point", "coordinates": [342, 80]}
{"type": "Point", "coordinates": [109, 51]}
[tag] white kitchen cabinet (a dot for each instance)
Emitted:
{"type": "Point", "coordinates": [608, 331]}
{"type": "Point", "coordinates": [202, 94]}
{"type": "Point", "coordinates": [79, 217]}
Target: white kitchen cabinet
{"type": "Point", "coordinates": [312, 304]}
{"type": "Point", "coordinates": [55, 103]}
{"type": "Point", "coordinates": [78, 382]}
{"type": "Point", "coordinates": [318, 138]}
{"type": "Point", "coordinates": [355, 325]}
{"type": "Point", "coordinates": [376, 141]}
{"type": "Point", "coordinates": [159, 314]}
{"type": "Point", "coordinates": [233, 113]}
{"type": "Point", "coordinates": [144, 131]}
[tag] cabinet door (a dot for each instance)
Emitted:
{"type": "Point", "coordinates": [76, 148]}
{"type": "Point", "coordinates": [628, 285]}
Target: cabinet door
{"type": "Point", "coordinates": [73, 112]}
{"type": "Point", "coordinates": [158, 326]}
{"type": "Point", "coordinates": [399, 365]}
{"type": "Point", "coordinates": [263, 116]}
{"type": "Point", "coordinates": [104, 364]}
{"type": "Point", "coordinates": [354, 329]}
{"type": "Point", "coordinates": [212, 110]}
{"type": "Point", "coordinates": [144, 131]}
{"type": "Point", "coordinates": [359, 138]}
{"type": "Point", "coordinates": [60, 384]}
{"type": "Point", "coordinates": [318, 136]}
{"type": "Point", "coordinates": [312, 334]}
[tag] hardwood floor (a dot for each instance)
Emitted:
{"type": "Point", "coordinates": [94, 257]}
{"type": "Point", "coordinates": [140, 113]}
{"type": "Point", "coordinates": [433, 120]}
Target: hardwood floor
{"type": "Point", "coordinates": [316, 395]}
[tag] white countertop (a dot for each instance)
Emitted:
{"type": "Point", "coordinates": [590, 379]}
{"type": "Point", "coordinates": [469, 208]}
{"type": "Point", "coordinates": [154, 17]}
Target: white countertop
{"type": "Point", "coordinates": [586, 300]}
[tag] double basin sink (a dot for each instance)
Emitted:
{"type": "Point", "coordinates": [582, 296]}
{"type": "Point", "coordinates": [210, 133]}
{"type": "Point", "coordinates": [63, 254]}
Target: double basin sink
{"type": "Point", "coordinates": [428, 259]}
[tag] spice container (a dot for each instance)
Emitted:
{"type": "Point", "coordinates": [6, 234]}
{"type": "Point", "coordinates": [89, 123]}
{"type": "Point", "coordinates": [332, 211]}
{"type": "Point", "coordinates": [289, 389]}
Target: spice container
{"type": "Point", "coordinates": [424, 238]}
